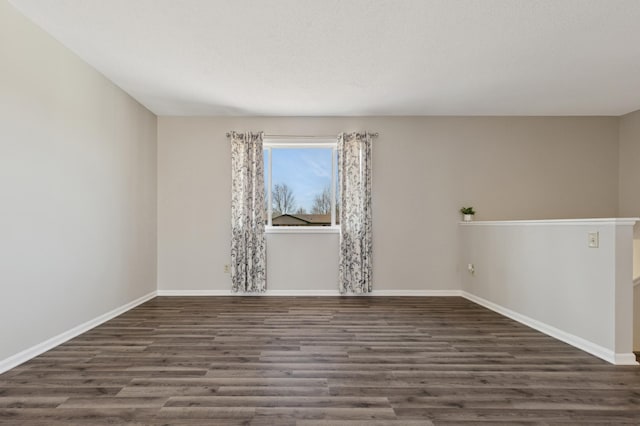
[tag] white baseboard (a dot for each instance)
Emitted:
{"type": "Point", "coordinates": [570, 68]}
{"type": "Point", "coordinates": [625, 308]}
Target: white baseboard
{"type": "Point", "coordinates": [417, 293]}
{"type": "Point", "coordinates": [300, 293]}
{"type": "Point", "coordinates": [413, 293]}
{"type": "Point", "coordinates": [626, 359]}
{"type": "Point", "coordinates": [195, 293]}
{"type": "Point", "coordinates": [230, 293]}
{"type": "Point", "coordinates": [32, 352]}
{"type": "Point", "coordinates": [573, 340]}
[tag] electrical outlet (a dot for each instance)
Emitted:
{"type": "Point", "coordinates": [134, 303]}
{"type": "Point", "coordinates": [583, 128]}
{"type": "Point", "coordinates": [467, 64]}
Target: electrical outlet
{"type": "Point", "coordinates": [471, 268]}
{"type": "Point", "coordinates": [594, 240]}
{"type": "Point", "coordinates": [227, 269]}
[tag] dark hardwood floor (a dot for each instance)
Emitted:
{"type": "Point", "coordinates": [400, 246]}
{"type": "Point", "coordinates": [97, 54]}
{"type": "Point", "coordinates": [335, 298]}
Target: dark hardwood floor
{"type": "Point", "coordinates": [316, 361]}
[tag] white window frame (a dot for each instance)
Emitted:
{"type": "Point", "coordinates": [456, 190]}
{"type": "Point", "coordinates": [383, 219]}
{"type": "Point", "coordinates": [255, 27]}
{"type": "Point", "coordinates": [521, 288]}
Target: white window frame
{"type": "Point", "coordinates": [268, 145]}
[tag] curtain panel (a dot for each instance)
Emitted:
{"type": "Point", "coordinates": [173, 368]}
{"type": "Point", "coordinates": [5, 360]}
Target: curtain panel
{"type": "Point", "coordinates": [248, 247]}
{"type": "Point", "coordinates": [356, 248]}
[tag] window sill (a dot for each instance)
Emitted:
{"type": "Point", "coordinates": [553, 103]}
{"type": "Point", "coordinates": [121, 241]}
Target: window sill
{"type": "Point", "coordinates": [302, 230]}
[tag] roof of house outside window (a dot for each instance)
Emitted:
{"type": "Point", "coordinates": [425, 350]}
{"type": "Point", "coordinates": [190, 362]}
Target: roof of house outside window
{"type": "Point", "coordinates": [302, 220]}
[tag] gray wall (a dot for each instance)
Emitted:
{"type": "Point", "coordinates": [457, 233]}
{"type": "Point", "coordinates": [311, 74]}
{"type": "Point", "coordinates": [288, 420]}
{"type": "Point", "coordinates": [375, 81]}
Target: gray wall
{"type": "Point", "coordinates": [77, 190]}
{"type": "Point", "coordinates": [630, 197]}
{"type": "Point", "coordinates": [425, 169]}
{"type": "Point", "coordinates": [629, 188]}
{"type": "Point", "coordinates": [630, 164]}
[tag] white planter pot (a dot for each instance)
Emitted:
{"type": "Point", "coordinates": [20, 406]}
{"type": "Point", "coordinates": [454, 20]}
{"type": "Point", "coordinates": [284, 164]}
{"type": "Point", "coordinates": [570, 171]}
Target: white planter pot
{"type": "Point", "coordinates": [467, 217]}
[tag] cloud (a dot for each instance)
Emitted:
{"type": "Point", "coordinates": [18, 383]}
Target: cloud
{"type": "Point", "coordinates": [318, 167]}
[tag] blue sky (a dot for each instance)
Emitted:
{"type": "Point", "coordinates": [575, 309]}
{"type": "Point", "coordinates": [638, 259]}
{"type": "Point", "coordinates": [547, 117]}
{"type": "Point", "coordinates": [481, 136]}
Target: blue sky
{"type": "Point", "coordinates": [307, 171]}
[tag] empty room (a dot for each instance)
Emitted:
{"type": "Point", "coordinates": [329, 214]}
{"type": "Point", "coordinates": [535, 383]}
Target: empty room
{"type": "Point", "coordinates": [319, 212]}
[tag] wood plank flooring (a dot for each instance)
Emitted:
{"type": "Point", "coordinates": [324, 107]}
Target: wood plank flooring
{"type": "Point", "coordinates": [316, 361]}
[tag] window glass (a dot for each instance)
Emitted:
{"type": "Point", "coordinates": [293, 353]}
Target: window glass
{"type": "Point", "coordinates": [301, 185]}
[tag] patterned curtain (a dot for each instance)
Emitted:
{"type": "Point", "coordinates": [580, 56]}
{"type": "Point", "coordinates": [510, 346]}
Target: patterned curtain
{"type": "Point", "coordinates": [354, 169]}
{"type": "Point", "coordinates": [248, 252]}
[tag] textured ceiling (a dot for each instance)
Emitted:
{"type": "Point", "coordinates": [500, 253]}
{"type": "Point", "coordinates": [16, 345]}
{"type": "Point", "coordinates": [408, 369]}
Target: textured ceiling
{"type": "Point", "coordinates": [358, 57]}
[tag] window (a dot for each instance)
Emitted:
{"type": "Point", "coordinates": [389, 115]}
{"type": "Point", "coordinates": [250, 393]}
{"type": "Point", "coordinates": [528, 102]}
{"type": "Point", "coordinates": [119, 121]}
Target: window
{"type": "Point", "coordinates": [300, 184]}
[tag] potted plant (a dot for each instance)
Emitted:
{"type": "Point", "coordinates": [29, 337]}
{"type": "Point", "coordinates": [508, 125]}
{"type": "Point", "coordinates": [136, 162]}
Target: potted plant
{"type": "Point", "coordinates": [467, 213]}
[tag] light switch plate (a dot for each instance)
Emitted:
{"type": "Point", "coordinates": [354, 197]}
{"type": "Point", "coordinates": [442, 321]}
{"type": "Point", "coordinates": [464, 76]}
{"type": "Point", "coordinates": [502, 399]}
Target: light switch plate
{"type": "Point", "coordinates": [594, 240]}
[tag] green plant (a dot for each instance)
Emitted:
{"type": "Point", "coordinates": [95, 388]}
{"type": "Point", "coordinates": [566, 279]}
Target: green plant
{"type": "Point", "coordinates": [467, 210]}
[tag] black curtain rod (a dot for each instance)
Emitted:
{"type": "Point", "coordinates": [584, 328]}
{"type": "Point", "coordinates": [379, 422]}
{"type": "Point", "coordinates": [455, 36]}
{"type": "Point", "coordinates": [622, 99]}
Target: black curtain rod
{"type": "Point", "coordinates": [375, 135]}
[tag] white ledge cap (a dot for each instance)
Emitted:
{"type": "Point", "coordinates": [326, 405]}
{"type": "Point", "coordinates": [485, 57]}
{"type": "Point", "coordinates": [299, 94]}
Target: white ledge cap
{"type": "Point", "coordinates": [628, 221]}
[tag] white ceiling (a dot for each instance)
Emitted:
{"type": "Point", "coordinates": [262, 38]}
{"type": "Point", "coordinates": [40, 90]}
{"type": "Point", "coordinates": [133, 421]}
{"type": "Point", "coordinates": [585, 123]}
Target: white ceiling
{"type": "Point", "coordinates": [359, 57]}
